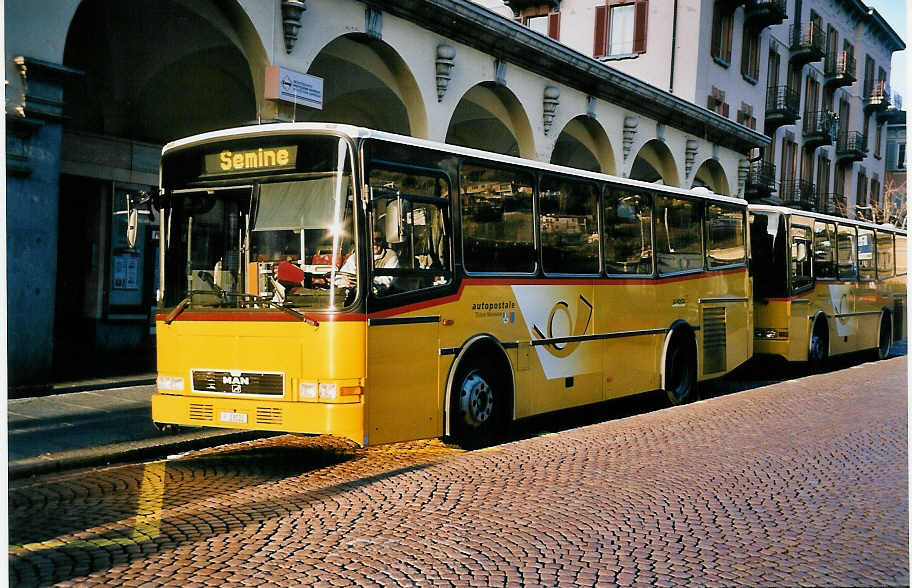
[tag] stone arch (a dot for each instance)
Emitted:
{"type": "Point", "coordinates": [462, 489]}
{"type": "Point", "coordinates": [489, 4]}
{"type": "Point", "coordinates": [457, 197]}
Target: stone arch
{"type": "Point", "coordinates": [367, 83]}
{"type": "Point", "coordinates": [711, 175]}
{"type": "Point", "coordinates": [655, 163]}
{"type": "Point", "coordinates": [204, 55]}
{"type": "Point", "coordinates": [583, 144]}
{"type": "Point", "coordinates": [490, 117]}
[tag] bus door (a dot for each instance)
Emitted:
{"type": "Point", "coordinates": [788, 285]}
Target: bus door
{"type": "Point", "coordinates": [802, 280]}
{"type": "Point", "coordinates": [410, 269]}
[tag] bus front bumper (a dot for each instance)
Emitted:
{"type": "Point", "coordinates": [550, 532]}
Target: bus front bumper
{"type": "Point", "coordinates": [341, 419]}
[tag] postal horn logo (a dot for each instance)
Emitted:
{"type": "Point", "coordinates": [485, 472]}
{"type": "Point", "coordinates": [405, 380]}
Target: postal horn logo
{"type": "Point", "coordinates": [558, 327]}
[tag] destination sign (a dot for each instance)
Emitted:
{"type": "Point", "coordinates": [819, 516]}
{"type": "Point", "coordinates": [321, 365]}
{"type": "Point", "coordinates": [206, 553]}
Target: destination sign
{"type": "Point", "coordinates": [248, 160]}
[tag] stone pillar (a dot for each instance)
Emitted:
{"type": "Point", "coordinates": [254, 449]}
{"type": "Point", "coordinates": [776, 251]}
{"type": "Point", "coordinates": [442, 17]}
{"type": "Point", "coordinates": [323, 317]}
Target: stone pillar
{"type": "Point", "coordinates": [32, 194]}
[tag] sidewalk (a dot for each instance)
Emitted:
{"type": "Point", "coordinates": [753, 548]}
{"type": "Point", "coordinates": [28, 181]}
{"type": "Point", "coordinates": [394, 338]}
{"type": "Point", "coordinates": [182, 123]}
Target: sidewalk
{"type": "Point", "coordinates": [96, 422]}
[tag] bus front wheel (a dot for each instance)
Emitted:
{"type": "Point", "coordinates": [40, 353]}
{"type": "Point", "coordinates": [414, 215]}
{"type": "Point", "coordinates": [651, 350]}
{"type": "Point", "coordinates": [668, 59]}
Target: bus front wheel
{"type": "Point", "coordinates": [680, 371]}
{"type": "Point", "coordinates": [819, 347]}
{"type": "Point", "coordinates": [477, 407]}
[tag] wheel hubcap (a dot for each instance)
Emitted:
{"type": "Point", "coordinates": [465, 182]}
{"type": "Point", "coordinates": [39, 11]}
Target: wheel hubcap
{"type": "Point", "coordinates": [476, 399]}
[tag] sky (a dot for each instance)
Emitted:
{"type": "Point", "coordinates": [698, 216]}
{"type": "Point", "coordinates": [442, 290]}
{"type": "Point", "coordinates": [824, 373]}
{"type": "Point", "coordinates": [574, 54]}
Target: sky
{"type": "Point", "coordinates": [894, 12]}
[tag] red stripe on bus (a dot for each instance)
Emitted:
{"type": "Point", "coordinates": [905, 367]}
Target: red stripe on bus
{"type": "Point", "coordinates": [263, 316]}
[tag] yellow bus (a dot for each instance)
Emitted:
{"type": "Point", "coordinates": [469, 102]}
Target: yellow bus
{"type": "Point", "coordinates": [328, 279]}
{"type": "Point", "coordinates": [825, 286]}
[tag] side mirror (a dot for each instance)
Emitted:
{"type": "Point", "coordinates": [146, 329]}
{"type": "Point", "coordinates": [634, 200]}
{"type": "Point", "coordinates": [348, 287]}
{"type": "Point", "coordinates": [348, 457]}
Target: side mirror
{"type": "Point", "coordinates": [132, 226]}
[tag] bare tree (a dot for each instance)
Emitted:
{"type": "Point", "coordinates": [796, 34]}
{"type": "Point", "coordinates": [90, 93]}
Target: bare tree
{"type": "Point", "coordinates": [889, 208]}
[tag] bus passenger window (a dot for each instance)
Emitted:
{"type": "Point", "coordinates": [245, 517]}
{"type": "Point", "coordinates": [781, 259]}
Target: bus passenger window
{"type": "Point", "coordinates": [497, 223]}
{"type": "Point", "coordinates": [410, 246]}
{"type": "Point", "coordinates": [628, 232]}
{"type": "Point", "coordinates": [845, 253]}
{"type": "Point", "coordinates": [884, 255]}
{"type": "Point", "coordinates": [824, 250]}
{"type": "Point", "coordinates": [900, 255]}
{"type": "Point", "coordinates": [866, 254]}
{"type": "Point", "coordinates": [569, 226]}
{"type": "Point", "coordinates": [800, 257]}
{"type": "Point", "coordinates": [679, 245]}
{"type": "Point", "coordinates": [724, 235]}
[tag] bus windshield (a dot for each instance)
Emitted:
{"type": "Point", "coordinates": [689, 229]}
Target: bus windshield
{"type": "Point", "coordinates": [281, 241]}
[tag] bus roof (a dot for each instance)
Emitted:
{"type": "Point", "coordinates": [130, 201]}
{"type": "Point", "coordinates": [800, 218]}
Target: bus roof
{"type": "Point", "coordinates": [826, 217]}
{"type": "Point", "coordinates": [354, 132]}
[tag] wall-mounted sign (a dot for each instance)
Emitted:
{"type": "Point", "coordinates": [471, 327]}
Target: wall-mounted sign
{"type": "Point", "coordinates": [291, 86]}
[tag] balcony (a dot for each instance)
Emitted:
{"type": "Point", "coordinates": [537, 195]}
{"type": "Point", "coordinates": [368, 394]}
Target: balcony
{"type": "Point", "coordinates": [764, 13]}
{"type": "Point", "coordinates": [839, 69]}
{"type": "Point", "coordinates": [819, 128]}
{"type": "Point", "coordinates": [782, 105]}
{"type": "Point", "coordinates": [520, 5]}
{"type": "Point", "coordinates": [851, 146]}
{"type": "Point", "coordinates": [833, 204]}
{"type": "Point", "coordinates": [798, 194]}
{"type": "Point", "coordinates": [876, 97]}
{"type": "Point", "coordinates": [808, 43]}
{"type": "Point", "coordinates": [761, 180]}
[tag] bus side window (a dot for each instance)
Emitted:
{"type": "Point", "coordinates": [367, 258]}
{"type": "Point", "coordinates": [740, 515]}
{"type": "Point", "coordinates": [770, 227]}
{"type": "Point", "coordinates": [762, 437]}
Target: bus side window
{"type": "Point", "coordinates": [724, 235]}
{"type": "Point", "coordinates": [568, 212]}
{"type": "Point", "coordinates": [845, 252]}
{"type": "Point", "coordinates": [866, 254]}
{"type": "Point", "coordinates": [800, 257]}
{"type": "Point", "coordinates": [900, 255]}
{"type": "Point", "coordinates": [627, 232]}
{"type": "Point", "coordinates": [679, 238]}
{"type": "Point", "coordinates": [497, 222]}
{"type": "Point", "coordinates": [824, 250]}
{"type": "Point", "coordinates": [884, 255]}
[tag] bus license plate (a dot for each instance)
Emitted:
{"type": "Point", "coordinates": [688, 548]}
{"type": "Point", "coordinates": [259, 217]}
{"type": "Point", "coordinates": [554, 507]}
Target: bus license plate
{"type": "Point", "coordinates": [233, 417]}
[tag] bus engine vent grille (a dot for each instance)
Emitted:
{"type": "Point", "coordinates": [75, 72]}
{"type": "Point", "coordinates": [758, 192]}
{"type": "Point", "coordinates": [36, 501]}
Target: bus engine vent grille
{"type": "Point", "coordinates": [899, 320]}
{"type": "Point", "coordinates": [266, 415]}
{"type": "Point", "coordinates": [200, 412]}
{"type": "Point", "coordinates": [714, 358]}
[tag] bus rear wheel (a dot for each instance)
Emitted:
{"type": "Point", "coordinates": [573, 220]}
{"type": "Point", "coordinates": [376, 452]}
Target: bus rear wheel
{"type": "Point", "coordinates": [680, 372]}
{"type": "Point", "coordinates": [477, 407]}
{"type": "Point", "coordinates": [885, 339]}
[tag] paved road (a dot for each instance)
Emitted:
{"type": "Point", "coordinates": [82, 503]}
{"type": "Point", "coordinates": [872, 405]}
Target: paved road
{"type": "Point", "coordinates": [800, 483]}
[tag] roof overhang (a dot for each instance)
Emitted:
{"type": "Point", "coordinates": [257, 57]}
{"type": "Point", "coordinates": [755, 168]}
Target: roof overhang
{"type": "Point", "coordinates": [475, 26]}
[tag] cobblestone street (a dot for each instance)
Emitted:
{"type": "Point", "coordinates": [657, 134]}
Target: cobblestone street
{"type": "Point", "coordinates": [799, 483]}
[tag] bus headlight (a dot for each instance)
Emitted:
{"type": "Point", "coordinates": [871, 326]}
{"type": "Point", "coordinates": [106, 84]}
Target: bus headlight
{"type": "Point", "coordinates": [308, 390]}
{"type": "Point", "coordinates": [328, 391]}
{"type": "Point", "coordinates": [170, 383]}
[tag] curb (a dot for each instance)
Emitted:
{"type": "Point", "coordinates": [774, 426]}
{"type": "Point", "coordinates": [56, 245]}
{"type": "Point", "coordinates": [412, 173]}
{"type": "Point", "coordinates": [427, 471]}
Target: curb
{"type": "Point", "coordinates": [145, 449]}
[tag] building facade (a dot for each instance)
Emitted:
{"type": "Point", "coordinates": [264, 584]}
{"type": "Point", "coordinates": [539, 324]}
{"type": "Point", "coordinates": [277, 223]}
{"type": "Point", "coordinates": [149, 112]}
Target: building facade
{"type": "Point", "coordinates": [95, 87]}
{"type": "Point", "coordinates": [813, 75]}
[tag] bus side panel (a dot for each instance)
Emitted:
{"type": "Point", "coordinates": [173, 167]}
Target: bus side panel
{"type": "Point", "coordinates": [843, 325]}
{"type": "Point", "coordinates": [775, 315]}
{"type": "Point", "coordinates": [630, 363]}
{"type": "Point", "coordinates": [402, 400]}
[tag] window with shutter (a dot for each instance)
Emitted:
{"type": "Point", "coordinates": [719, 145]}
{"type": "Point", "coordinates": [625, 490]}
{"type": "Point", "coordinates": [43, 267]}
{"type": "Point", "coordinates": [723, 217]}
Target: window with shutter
{"type": "Point", "coordinates": [621, 28]}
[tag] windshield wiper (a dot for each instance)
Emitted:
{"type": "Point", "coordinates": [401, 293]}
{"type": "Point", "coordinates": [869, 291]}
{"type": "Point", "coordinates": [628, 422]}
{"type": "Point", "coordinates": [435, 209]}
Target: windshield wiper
{"type": "Point", "coordinates": [289, 310]}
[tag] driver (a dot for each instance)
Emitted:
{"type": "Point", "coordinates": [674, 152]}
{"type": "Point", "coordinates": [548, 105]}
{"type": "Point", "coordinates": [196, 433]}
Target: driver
{"type": "Point", "coordinates": [384, 258]}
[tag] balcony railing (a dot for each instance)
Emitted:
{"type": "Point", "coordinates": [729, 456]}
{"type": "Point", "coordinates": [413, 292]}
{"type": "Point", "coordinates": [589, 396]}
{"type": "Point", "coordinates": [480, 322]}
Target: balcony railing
{"type": "Point", "coordinates": [819, 128]}
{"type": "Point", "coordinates": [764, 13]}
{"type": "Point", "coordinates": [798, 194]}
{"type": "Point", "coordinates": [839, 69]}
{"type": "Point", "coordinates": [876, 96]}
{"type": "Point", "coordinates": [782, 103]}
{"type": "Point", "coordinates": [833, 204]}
{"type": "Point", "coordinates": [851, 146]}
{"type": "Point", "coordinates": [761, 179]}
{"type": "Point", "coordinates": [808, 43]}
